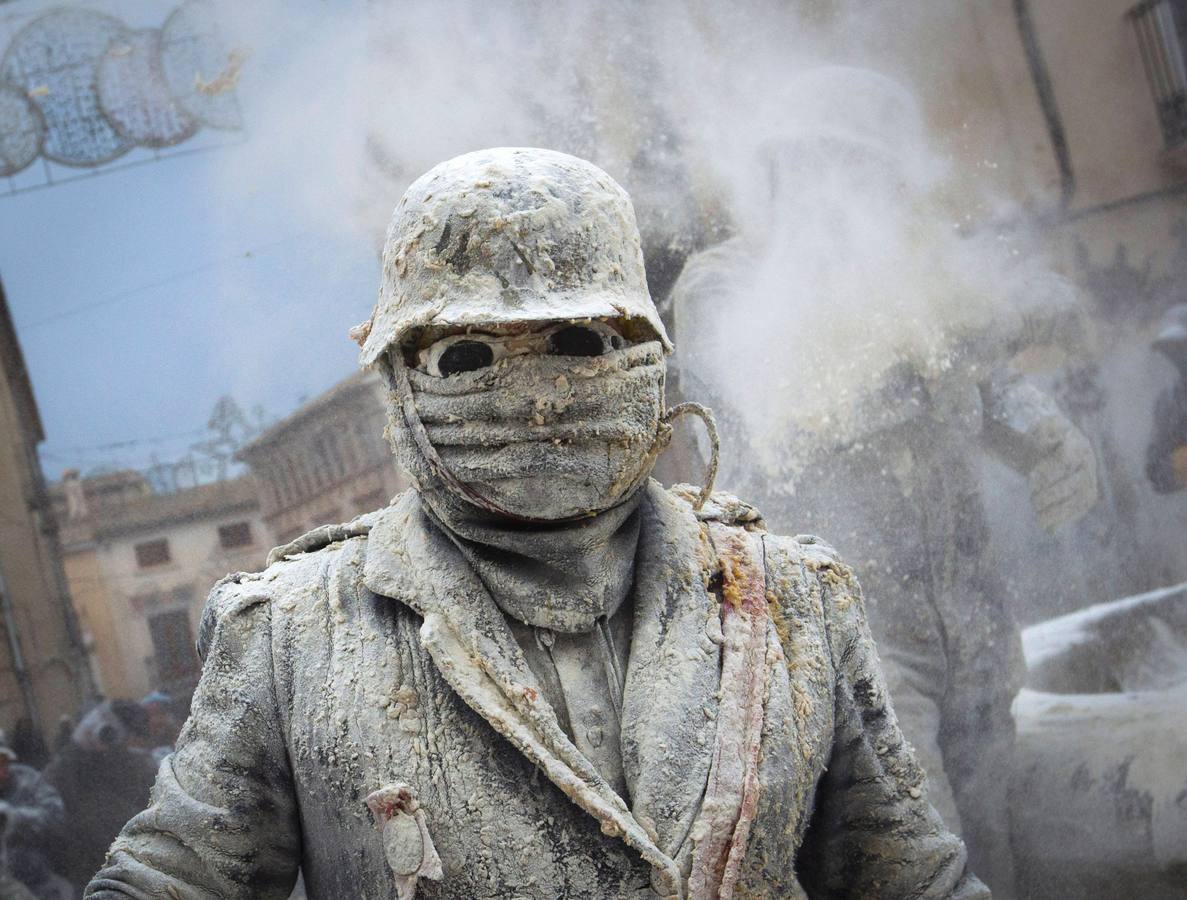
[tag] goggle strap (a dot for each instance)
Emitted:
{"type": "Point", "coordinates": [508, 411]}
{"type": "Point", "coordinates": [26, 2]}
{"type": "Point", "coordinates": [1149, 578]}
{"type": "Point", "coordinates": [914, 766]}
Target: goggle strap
{"type": "Point", "coordinates": [705, 415]}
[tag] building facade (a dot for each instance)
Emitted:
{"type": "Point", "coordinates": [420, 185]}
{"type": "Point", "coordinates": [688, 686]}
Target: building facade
{"type": "Point", "coordinates": [1089, 102]}
{"type": "Point", "coordinates": [327, 462]}
{"type": "Point", "coordinates": [43, 668]}
{"type": "Point", "coordinates": [141, 564]}
{"type": "Point", "coordinates": [1074, 112]}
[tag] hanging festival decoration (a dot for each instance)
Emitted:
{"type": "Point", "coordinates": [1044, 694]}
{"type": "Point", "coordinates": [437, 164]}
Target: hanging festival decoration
{"type": "Point", "coordinates": [80, 88]}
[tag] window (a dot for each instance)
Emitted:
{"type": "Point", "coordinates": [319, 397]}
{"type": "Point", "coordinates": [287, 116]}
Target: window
{"type": "Point", "coordinates": [325, 449]}
{"type": "Point", "coordinates": [143, 603]}
{"type": "Point", "coordinates": [147, 603]}
{"type": "Point", "coordinates": [350, 449]}
{"type": "Point", "coordinates": [277, 480]}
{"type": "Point", "coordinates": [173, 645]}
{"type": "Point", "coordinates": [1161, 27]}
{"type": "Point", "coordinates": [300, 489]}
{"type": "Point", "coordinates": [237, 534]}
{"type": "Point", "coordinates": [153, 553]}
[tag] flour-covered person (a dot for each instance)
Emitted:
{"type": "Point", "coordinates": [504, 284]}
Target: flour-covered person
{"type": "Point", "coordinates": [538, 673]}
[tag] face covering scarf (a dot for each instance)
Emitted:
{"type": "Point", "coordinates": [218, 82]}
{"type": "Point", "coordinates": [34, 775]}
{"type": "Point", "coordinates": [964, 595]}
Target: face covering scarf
{"type": "Point", "coordinates": [533, 467]}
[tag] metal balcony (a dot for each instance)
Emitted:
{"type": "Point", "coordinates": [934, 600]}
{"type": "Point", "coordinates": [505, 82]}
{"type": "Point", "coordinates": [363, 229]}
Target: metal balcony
{"type": "Point", "coordinates": [1161, 28]}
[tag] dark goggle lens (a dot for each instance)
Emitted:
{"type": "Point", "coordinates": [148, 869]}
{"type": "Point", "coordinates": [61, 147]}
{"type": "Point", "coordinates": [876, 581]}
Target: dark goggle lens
{"type": "Point", "coordinates": [465, 356]}
{"type": "Point", "coordinates": [577, 340]}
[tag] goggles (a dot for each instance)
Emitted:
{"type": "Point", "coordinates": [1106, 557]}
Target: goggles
{"type": "Point", "coordinates": [460, 353]}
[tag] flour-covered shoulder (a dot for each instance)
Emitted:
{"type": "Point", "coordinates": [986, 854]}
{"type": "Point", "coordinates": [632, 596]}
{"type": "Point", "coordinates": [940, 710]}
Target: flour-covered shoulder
{"type": "Point", "coordinates": [873, 833]}
{"type": "Point", "coordinates": [229, 597]}
{"type": "Point", "coordinates": [800, 568]}
{"type": "Point", "coordinates": [720, 506]}
{"type": "Point", "coordinates": [327, 535]}
{"type": "Point", "coordinates": [291, 568]}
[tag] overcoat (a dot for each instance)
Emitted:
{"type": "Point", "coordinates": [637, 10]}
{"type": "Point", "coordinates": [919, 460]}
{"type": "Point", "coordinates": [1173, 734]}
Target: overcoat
{"type": "Point", "coordinates": [762, 759]}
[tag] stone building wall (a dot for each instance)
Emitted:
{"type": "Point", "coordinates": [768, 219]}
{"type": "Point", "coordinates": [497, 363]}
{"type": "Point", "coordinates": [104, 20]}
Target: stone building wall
{"type": "Point", "coordinates": [43, 669]}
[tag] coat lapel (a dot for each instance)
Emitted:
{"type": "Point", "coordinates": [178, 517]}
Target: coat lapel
{"type": "Point", "coordinates": [463, 631]}
{"type": "Point", "coordinates": [697, 690]}
{"type": "Point", "coordinates": [670, 702]}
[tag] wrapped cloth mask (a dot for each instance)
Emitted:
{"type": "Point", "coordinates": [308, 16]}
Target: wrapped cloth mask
{"type": "Point", "coordinates": [532, 467]}
{"type": "Point", "coordinates": [536, 438]}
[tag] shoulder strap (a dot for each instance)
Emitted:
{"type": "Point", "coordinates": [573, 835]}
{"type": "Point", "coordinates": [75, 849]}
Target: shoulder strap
{"type": "Point", "coordinates": [731, 795]}
{"type": "Point", "coordinates": [323, 536]}
{"type": "Point", "coordinates": [720, 507]}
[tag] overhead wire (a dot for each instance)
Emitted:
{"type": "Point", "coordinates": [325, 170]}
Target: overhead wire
{"type": "Point", "coordinates": [130, 442]}
{"type": "Point", "coordinates": [128, 293]}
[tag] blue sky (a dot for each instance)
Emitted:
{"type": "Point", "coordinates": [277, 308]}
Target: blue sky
{"type": "Point", "coordinates": [143, 294]}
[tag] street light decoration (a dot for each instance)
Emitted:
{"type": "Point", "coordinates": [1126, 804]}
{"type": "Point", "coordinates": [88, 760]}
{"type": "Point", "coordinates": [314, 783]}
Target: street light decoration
{"type": "Point", "coordinates": [80, 88]}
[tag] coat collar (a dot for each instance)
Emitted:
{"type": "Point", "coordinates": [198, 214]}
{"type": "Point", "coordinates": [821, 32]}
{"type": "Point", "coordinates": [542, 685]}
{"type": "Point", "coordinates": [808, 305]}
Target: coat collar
{"type": "Point", "coordinates": [673, 675]}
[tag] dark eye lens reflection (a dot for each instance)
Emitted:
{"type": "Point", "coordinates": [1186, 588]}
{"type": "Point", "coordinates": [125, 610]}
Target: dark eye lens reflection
{"type": "Point", "coordinates": [465, 356]}
{"type": "Point", "coordinates": [576, 340]}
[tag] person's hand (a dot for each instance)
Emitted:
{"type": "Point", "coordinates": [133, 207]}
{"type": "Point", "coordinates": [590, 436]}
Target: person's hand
{"type": "Point", "coordinates": [1063, 485]}
{"type": "Point", "coordinates": [1033, 436]}
{"type": "Point", "coordinates": [1179, 464]}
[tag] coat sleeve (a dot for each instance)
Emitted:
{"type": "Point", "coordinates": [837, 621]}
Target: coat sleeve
{"type": "Point", "coordinates": [873, 832]}
{"type": "Point", "coordinates": [222, 820]}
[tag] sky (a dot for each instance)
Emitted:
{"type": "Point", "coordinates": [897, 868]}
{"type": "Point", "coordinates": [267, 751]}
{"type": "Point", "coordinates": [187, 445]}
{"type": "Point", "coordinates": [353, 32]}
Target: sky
{"type": "Point", "coordinates": [143, 294]}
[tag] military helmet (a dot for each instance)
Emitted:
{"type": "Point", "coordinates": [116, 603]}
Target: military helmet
{"type": "Point", "coordinates": [510, 235]}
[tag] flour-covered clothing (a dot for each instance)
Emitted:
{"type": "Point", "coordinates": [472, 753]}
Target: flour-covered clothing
{"type": "Point", "coordinates": [382, 660]}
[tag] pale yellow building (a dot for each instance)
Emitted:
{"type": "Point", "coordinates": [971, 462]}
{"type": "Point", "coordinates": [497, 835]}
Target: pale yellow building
{"type": "Point", "coordinates": [1064, 118]}
{"type": "Point", "coordinates": [328, 461]}
{"type": "Point", "coordinates": [43, 668]}
{"type": "Point", "coordinates": [141, 564]}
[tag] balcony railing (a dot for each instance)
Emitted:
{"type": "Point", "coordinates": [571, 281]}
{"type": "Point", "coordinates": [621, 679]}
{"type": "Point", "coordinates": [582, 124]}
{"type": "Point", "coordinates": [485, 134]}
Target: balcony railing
{"type": "Point", "coordinates": [1161, 26]}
